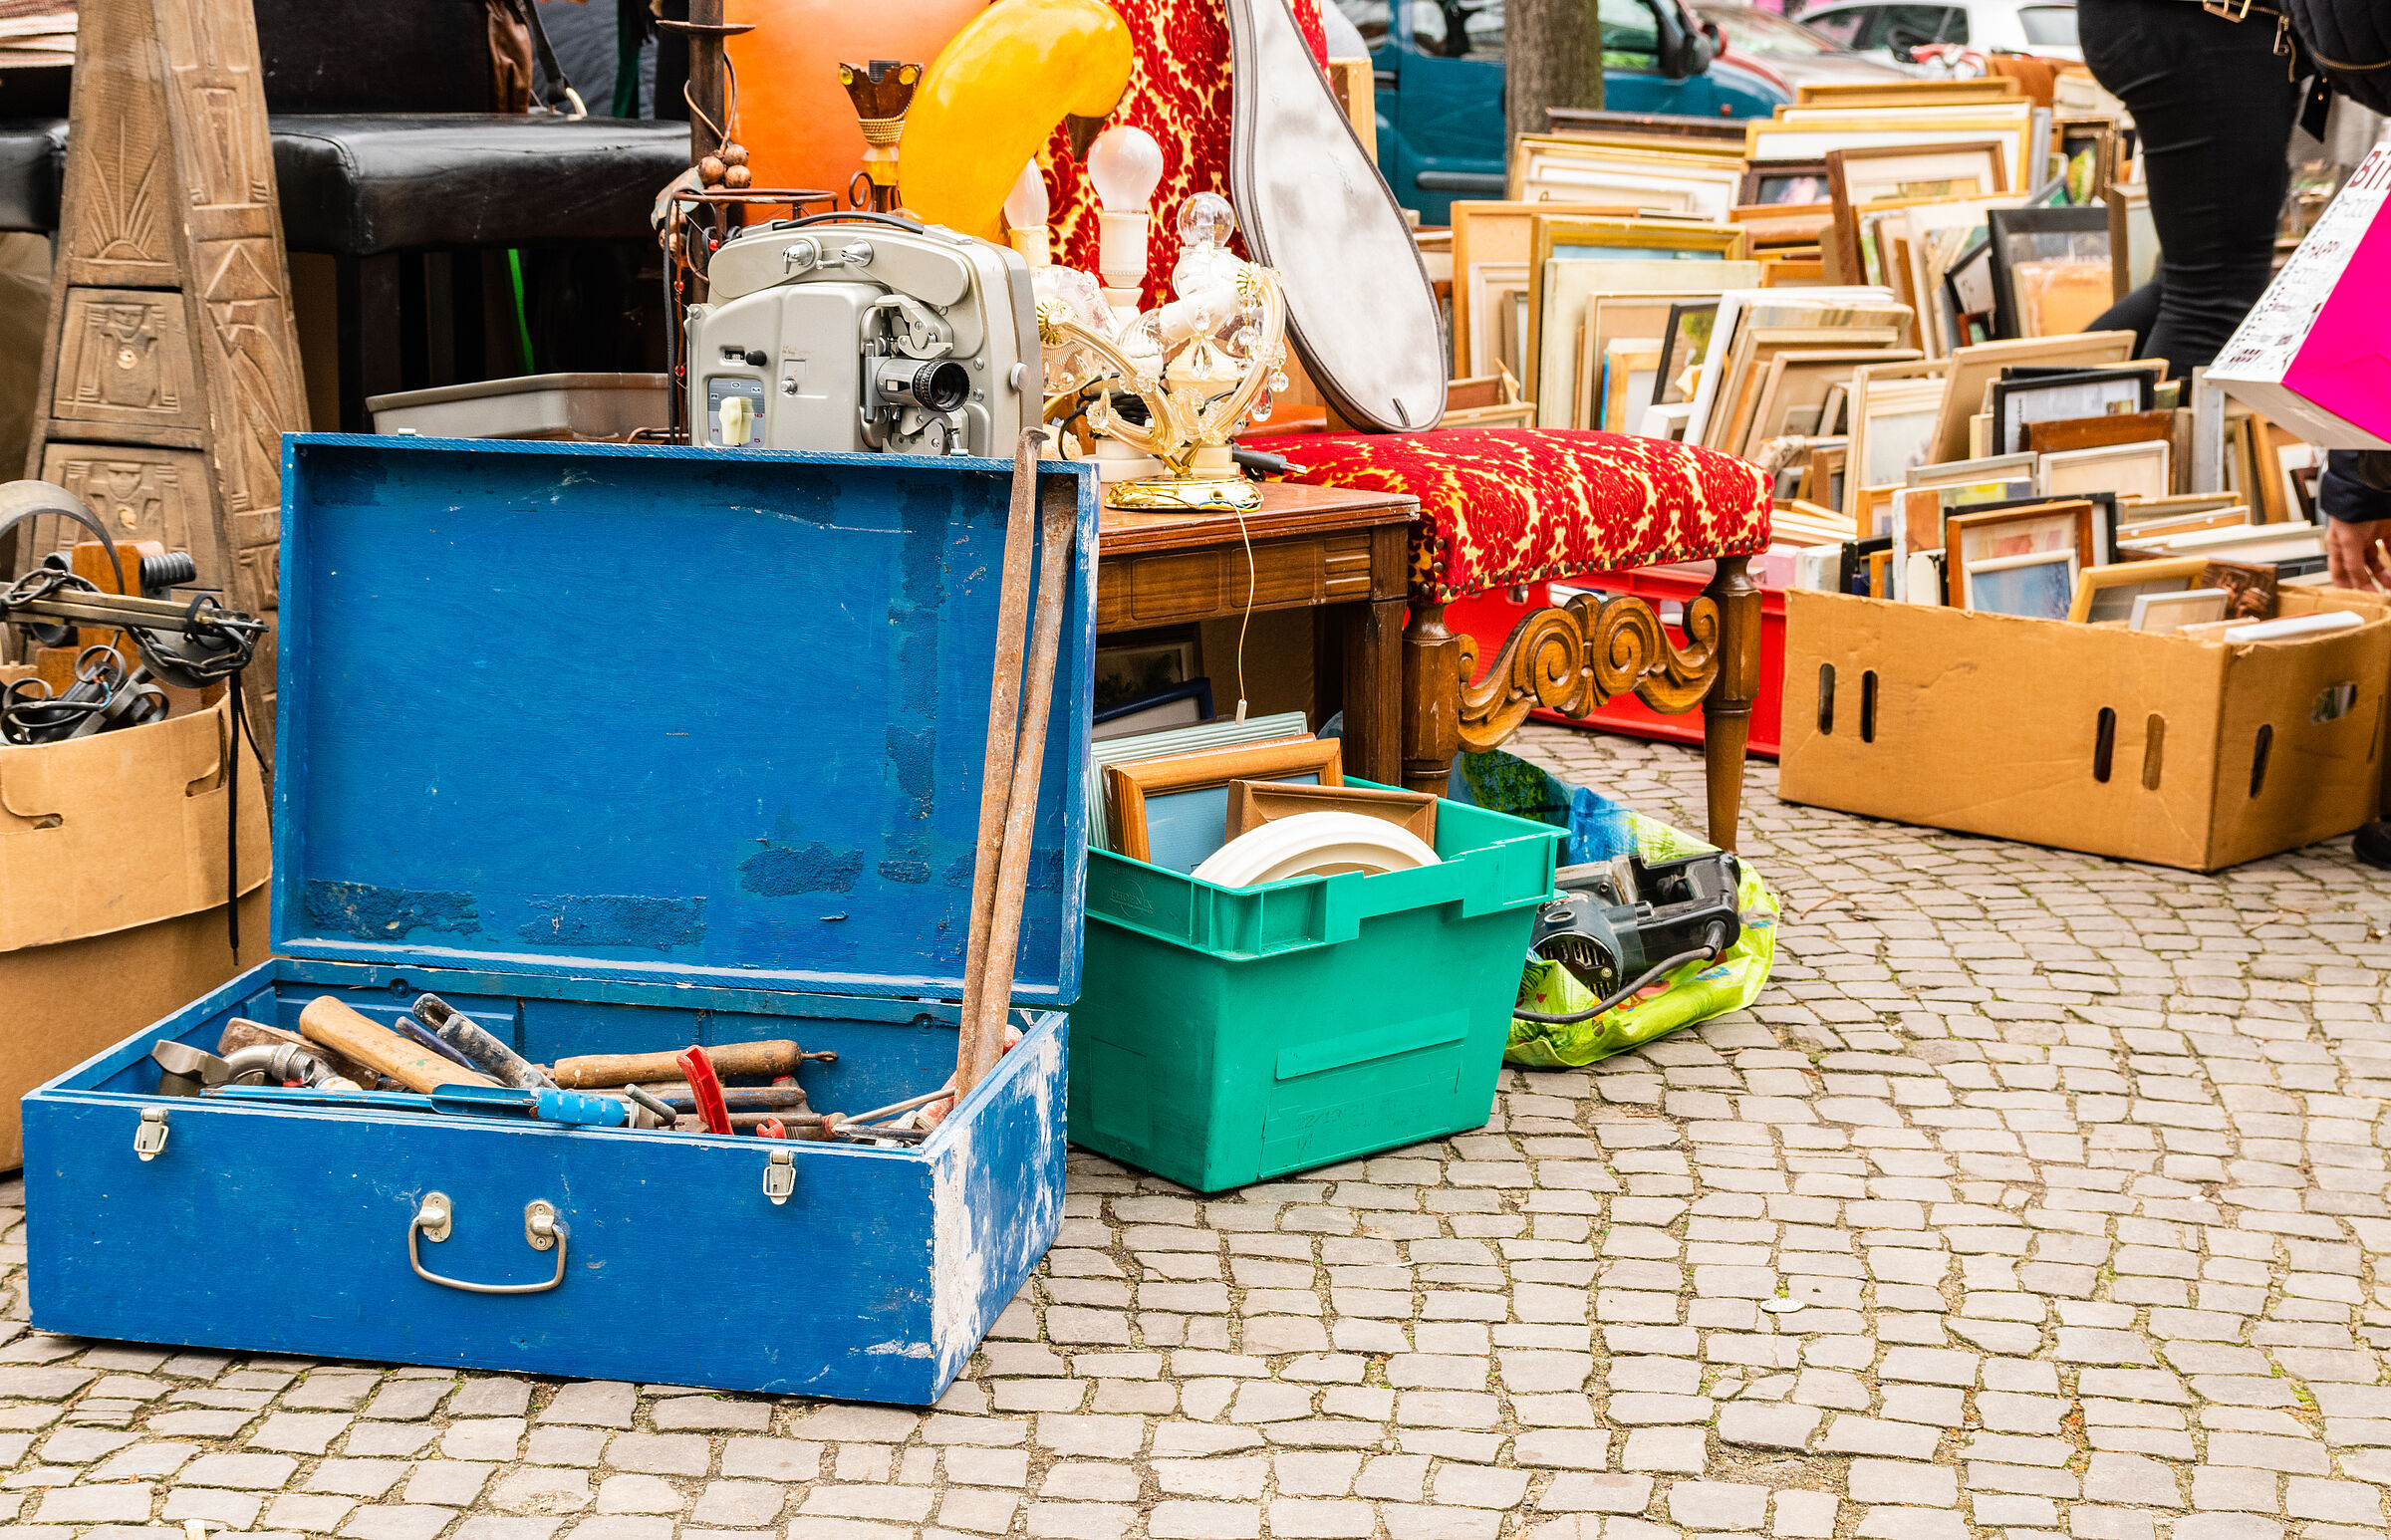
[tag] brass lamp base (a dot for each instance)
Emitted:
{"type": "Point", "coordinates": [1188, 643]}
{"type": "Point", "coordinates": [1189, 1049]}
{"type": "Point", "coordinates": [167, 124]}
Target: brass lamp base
{"type": "Point", "coordinates": [1182, 493]}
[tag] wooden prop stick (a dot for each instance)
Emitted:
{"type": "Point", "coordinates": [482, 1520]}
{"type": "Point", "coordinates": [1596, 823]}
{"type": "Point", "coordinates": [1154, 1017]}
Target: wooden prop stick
{"type": "Point", "coordinates": [1005, 712]}
{"type": "Point", "coordinates": [1021, 814]}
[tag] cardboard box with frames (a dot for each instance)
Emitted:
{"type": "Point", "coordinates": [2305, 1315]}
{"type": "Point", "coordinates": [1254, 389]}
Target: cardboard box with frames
{"type": "Point", "coordinates": [2164, 750]}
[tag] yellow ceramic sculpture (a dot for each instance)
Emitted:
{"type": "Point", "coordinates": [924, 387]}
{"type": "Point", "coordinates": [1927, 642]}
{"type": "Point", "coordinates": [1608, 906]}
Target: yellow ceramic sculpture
{"type": "Point", "coordinates": [995, 95]}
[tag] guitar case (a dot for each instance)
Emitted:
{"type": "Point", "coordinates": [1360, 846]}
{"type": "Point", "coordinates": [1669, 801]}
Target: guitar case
{"type": "Point", "coordinates": [1361, 312]}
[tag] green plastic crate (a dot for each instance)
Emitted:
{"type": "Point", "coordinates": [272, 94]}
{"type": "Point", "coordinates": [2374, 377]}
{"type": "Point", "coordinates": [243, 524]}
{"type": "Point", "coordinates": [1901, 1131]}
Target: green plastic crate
{"type": "Point", "coordinates": [1223, 1036]}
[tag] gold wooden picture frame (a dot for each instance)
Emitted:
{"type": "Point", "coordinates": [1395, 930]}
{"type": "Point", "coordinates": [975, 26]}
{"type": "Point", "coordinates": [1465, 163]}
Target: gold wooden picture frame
{"type": "Point", "coordinates": [1486, 231]}
{"type": "Point", "coordinates": [2124, 580]}
{"type": "Point", "coordinates": [1621, 240]}
{"type": "Point", "coordinates": [1965, 536]}
{"type": "Point", "coordinates": [1807, 133]}
{"type": "Point", "coordinates": [1132, 784]}
{"type": "Point", "coordinates": [1549, 168]}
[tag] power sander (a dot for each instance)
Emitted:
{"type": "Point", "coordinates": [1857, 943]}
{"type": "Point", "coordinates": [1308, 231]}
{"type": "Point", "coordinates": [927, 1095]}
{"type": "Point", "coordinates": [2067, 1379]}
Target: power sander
{"type": "Point", "coordinates": [1618, 924]}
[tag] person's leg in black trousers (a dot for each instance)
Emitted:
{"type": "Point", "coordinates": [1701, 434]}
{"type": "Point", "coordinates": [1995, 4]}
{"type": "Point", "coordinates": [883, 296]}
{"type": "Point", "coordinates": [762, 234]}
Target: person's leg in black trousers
{"type": "Point", "coordinates": [2215, 106]}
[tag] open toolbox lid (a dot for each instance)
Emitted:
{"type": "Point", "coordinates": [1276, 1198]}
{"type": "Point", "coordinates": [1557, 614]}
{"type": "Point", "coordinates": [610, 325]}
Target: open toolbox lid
{"type": "Point", "coordinates": [659, 713]}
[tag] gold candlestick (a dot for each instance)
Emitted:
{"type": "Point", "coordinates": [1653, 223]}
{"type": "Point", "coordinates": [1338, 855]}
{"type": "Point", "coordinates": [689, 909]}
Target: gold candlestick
{"type": "Point", "coordinates": [882, 92]}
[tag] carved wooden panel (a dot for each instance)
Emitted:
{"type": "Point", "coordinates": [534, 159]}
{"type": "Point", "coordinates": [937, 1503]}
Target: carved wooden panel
{"type": "Point", "coordinates": [169, 189]}
{"type": "Point", "coordinates": [138, 493]}
{"type": "Point", "coordinates": [116, 217]}
{"type": "Point", "coordinates": [125, 355]}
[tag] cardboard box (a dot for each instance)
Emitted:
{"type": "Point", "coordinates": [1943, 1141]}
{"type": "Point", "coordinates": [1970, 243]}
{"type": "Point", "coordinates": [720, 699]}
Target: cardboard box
{"type": "Point", "coordinates": [113, 883]}
{"type": "Point", "coordinates": [2154, 748]}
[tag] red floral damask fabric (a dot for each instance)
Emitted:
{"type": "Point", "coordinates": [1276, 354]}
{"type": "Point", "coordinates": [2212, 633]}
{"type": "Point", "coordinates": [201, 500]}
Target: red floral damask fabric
{"type": "Point", "coordinates": [1179, 91]}
{"type": "Point", "coordinates": [1504, 506]}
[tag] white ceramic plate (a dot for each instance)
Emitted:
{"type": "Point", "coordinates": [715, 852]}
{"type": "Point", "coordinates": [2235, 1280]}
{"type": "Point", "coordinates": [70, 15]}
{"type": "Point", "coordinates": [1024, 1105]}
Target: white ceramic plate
{"type": "Point", "coordinates": [1311, 843]}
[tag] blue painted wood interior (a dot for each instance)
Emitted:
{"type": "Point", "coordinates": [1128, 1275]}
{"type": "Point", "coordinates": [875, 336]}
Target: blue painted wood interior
{"type": "Point", "coordinates": [634, 713]}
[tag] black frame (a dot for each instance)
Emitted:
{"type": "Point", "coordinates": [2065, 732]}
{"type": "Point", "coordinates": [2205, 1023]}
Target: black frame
{"type": "Point", "coordinates": [2006, 391]}
{"type": "Point", "coordinates": [2002, 223]}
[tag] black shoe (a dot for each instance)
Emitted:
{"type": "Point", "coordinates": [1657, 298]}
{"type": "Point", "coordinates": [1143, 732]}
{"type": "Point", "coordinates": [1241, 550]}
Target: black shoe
{"type": "Point", "coordinates": [2372, 844]}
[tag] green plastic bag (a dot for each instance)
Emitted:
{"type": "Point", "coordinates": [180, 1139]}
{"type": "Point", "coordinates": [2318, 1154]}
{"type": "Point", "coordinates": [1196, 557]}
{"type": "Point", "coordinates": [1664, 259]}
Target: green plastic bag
{"type": "Point", "coordinates": [1696, 993]}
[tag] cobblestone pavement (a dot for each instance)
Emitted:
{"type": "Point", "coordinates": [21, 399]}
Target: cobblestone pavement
{"type": "Point", "coordinates": [2078, 1169]}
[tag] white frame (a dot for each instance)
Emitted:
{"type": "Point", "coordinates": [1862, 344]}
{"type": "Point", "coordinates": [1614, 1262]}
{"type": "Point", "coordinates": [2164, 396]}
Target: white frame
{"type": "Point", "coordinates": [1997, 564]}
{"type": "Point", "coordinates": [2229, 537]}
{"type": "Point", "coordinates": [1486, 278]}
{"type": "Point", "coordinates": [2153, 458]}
{"type": "Point", "coordinates": [1555, 170]}
{"type": "Point", "coordinates": [2150, 606]}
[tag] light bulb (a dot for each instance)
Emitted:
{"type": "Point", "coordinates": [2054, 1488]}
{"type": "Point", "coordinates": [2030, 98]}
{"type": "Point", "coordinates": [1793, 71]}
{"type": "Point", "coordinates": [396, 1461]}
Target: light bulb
{"type": "Point", "coordinates": [1125, 165]}
{"type": "Point", "coordinates": [1025, 206]}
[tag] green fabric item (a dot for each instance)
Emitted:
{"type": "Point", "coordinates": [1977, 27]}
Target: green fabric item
{"type": "Point", "coordinates": [1696, 993]}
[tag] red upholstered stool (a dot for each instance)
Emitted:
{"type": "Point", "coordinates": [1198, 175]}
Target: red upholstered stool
{"type": "Point", "coordinates": [1503, 507]}
{"type": "Point", "coordinates": [1498, 506]}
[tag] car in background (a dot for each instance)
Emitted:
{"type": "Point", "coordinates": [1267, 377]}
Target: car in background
{"type": "Point", "coordinates": [1894, 32]}
{"type": "Point", "coordinates": [1439, 67]}
{"type": "Point", "coordinates": [1791, 52]}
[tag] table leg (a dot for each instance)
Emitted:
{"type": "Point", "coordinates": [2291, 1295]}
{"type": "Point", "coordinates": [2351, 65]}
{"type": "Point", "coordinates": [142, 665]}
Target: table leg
{"type": "Point", "coordinates": [1373, 690]}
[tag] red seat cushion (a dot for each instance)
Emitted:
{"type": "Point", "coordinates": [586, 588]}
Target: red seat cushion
{"type": "Point", "coordinates": [1511, 505]}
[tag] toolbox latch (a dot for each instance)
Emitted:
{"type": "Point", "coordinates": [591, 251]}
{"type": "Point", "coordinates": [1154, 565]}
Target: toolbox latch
{"type": "Point", "coordinates": [780, 1176]}
{"type": "Point", "coordinates": [149, 1136]}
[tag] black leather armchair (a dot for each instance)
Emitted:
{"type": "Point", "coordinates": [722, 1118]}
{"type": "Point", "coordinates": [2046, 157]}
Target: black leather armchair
{"type": "Point", "coordinates": [432, 239]}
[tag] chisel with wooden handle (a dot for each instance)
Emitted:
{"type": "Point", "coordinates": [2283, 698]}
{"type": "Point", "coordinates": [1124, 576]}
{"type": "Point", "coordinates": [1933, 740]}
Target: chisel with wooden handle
{"type": "Point", "coordinates": [327, 1021]}
{"type": "Point", "coordinates": [769, 1060]}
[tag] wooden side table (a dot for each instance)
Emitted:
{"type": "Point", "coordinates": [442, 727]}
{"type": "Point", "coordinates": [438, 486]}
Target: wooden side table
{"type": "Point", "coordinates": [1313, 547]}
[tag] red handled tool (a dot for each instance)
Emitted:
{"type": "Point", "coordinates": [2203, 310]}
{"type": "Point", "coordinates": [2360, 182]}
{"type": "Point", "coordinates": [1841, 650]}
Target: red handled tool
{"type": "Point", "coordinates": [771, 1128]}
{"type": "Point", "coordinates": [706, 1087]}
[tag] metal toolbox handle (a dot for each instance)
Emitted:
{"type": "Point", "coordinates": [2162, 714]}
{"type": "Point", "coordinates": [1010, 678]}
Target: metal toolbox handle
{"type": "Point", "coordinates": [541, 1230]}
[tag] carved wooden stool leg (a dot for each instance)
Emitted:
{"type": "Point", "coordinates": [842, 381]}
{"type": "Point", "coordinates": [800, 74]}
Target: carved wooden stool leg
{"type": "Point", "coordinates": [1726, 712]}
{"type": "Point", "coordinates": [1432, 699]}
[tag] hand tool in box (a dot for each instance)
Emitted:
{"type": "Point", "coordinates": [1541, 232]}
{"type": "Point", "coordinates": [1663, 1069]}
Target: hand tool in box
{"type": "Point", "coordinates": [106, 695]}
{"type": "Point", "coordinates": [327, 1021]}
{"type": "Point", "coordinates": [240, 1033]}
{"type": "Point", "coordinates": [422, 1036]}
{"type": "Point", "coordinates": [783, 1095]}
{"type": "Point", "coordinates": [1018, 709]}
{"type": "Point", "coordinates": [577, 1108]}
{"type": "Point", "coordinates": [189, 645]}
{"type": "Point", "coordinates": [706, 1088]}
{"type": "Point", "coordinates": [482, 1049]}
{"type": "Point", "coordinates": [1617, 926]}
{"type": "Point", "coordinates": [188, 642]}
{"type": "Point", "coordinates": [187, 1071]}
{"type": "Point", "coordinates": [770, 1059]}
{"type": "Point", "coordinates": [655, 1107]}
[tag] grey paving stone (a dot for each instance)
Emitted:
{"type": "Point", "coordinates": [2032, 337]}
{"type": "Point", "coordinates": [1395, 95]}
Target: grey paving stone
{"type": "Point", "coordinates": [712, 1412]}
{"type": "Point", "coordinates": [671, 1454]}
{"type": "Point", "coordinates": [640, 1495]}
{"type": "Point", "coordinates": [594, 1403]}
{"type": "Point", "coordinates": [398, 1521]}
{"type": "Point", "coordinates": [251, 1471]}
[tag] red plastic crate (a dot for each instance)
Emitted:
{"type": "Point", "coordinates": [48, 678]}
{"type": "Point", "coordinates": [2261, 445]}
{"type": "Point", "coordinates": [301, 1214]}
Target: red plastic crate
{"type": "Point", "coordinates": [1490, 617]}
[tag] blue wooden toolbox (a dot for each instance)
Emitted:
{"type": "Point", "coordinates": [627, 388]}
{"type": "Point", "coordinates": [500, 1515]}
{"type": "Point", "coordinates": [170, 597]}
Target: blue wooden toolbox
{"type": "Point", "coordinates": [621, 749]}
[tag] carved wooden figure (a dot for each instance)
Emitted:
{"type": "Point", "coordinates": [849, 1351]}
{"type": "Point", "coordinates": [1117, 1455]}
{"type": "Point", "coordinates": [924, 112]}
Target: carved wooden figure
{"type": "Point", "coordinates": [171, 370]}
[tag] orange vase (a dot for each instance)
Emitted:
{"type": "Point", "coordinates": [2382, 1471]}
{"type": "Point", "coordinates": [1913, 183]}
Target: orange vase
{"type": "Point", "coordinates": [793, 114]}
